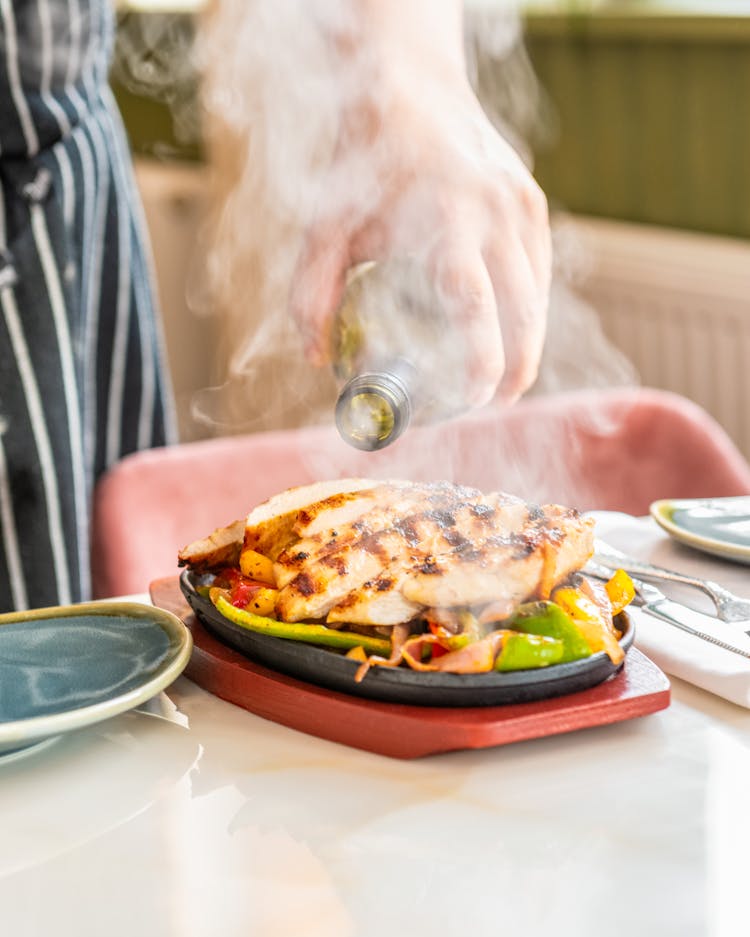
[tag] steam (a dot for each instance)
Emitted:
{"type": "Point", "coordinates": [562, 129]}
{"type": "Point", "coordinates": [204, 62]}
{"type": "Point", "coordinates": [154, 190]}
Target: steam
{"type": "Point", "coordinates": [274, 82]}
{"type": "Point", "coordinates": [500, 70]}
{"type": "Point", "coordinates": [266, 68]}
{"type": "Point", "coordinates": [577, 352]}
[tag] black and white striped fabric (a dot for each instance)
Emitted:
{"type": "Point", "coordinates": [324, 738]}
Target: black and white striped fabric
{"type": "Point", "coordinates": [82, 376]}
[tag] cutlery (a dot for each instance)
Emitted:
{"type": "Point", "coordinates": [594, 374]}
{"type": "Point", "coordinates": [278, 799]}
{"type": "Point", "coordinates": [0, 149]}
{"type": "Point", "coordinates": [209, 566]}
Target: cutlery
{"type": "Point", "coordinates": [653, 601]}
{"type": "Point", "coordinates": [729, 607]}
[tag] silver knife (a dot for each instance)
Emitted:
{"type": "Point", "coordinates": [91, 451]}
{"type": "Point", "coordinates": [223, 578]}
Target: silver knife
{"type": "Point", "coordinates": [653, 601]}
{"type": "Point", "coordinates": [729, 607]}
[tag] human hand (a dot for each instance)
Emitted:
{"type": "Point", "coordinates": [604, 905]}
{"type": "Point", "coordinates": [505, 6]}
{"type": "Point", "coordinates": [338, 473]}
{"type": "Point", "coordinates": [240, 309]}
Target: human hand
{"type": "Point", "coordinates": [420, 172]}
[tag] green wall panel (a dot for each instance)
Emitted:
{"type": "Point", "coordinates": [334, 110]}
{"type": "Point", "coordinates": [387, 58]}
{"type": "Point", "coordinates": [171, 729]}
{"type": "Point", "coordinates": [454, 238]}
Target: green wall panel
{"type": "Point", "coordinates": [650, 126]}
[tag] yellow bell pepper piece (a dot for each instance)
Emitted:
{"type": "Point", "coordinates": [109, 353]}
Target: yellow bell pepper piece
{"type": "Point", "coordinates": [590, 621]}
{"type": "Point", "coordinates": [620, 590]}
{"type": "Point", "coordinates": [256, 566]}
{"type": "Point", "coordinates": [263, 602]}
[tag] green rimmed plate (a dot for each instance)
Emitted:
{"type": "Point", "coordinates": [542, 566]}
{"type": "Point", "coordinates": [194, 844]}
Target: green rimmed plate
{"type": "Point", "coordinates": [719, 526]}
{"type": "Point", "coordinates": [67, 667]}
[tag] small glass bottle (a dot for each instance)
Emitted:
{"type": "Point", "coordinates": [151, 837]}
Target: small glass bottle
{"type": "Point", "coordinates": [393, 355]}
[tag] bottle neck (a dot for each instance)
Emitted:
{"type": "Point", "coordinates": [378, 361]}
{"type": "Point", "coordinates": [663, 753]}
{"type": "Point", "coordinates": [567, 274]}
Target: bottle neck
{"type": "Point", "coordinates": [374, 408]}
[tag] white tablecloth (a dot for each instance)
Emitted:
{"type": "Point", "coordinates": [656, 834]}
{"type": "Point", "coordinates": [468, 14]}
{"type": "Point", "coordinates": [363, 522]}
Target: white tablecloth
{"type": "Point", "coordinates": [197, 819]}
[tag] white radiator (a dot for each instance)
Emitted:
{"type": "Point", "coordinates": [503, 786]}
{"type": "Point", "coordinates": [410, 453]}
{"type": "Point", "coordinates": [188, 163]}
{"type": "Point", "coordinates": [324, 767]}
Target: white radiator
{"type": "Point", "coordinates": [677, 304]}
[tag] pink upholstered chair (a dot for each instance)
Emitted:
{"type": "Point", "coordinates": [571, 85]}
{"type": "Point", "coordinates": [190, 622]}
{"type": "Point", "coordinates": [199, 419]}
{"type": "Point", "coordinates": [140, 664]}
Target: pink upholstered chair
{"type": "Point", "coordinates": [610, 450]}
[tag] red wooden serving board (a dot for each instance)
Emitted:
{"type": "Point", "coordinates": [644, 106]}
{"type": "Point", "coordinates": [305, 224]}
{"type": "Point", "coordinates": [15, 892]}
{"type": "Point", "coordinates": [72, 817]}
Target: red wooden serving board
{"type": "Point", "coordinates": [405, 731]}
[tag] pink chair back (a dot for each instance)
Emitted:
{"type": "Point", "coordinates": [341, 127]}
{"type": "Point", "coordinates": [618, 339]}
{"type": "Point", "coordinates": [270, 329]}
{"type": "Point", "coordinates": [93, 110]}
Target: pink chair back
{"type": "Point", "coordinates": [610, 450]}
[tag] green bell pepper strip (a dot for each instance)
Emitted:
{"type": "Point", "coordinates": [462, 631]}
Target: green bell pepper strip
{"type": "Point", "coordinates": [311, 634]}
{"type": "Point", "coordinates": [529, 652]}
{"type": "Point", "coordinates": [548, 619]}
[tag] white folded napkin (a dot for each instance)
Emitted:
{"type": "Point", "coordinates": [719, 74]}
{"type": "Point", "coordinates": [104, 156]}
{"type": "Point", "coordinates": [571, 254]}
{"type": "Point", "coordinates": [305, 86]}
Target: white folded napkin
{"type": "Point", "coordinates": [684, 655]}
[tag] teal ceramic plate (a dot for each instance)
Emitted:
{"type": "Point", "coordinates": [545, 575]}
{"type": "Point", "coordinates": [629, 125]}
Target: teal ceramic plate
{"type": "Point", "coordinates": [68, 667]}
{"type": "Point", "coordinates": [720, 526]}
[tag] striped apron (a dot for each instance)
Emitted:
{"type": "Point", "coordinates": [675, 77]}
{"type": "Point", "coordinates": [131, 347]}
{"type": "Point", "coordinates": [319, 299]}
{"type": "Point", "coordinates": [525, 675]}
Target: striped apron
{"type": "Point", "coordinates": [82, 376]}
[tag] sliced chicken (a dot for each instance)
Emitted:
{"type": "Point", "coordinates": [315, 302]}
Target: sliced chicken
{"type": "Point", "coordinates": [270, 527]}
{"type": "Point", "coordinates": [514, 568]}
{"type": "Point", "coordinates": [382, 599]}
{"type": "Point", "coordinates": [317, 573]}
{"type": "Point", "coordinates": [352, 505]}
{"type": "Point", "coordinates": [378, 509]}
{"type": "Point", "coordinates": [378, 602]}
{"type": "Point", "coordinates": [524, 561]}
{"type": "Point", "coordinates": [221, 548]}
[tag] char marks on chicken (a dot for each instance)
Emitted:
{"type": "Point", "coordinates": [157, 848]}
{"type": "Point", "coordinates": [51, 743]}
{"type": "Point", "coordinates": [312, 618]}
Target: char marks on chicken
{"type": "Point", "coordinates": [366, 552]}
{"type": "Point", "coordinates": [389, 550]}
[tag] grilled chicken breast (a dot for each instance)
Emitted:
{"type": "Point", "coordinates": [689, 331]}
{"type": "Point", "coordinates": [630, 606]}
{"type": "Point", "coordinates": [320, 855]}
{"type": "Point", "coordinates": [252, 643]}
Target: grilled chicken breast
{"type": "Point", "coordinates": [380, 553]}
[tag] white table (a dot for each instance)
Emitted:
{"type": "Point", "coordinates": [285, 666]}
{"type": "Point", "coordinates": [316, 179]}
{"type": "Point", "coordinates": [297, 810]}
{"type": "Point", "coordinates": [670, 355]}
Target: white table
{"type": "Point", "coordinates": [196, 818]}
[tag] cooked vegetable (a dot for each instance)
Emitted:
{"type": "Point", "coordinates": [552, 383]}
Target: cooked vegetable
{"type": "Point", "coordinates": [620, 590]}
{"type": "Point", "coordinates": [529, 651]}
{"type": "Point", "coordinates": [311, 634]}
{"type": "Point", "coordinates": [246, 593]}
{"type": "Point", "coordinates": [540, 634]}
{"type": "Point", "coordinates": [590, 621]}
{"type": "Point", "coordinates": [473, 657]}
{"type": "Point", "coordinates": [256, 566]}
{"type": "Point", "coordinates": [262, 601]}
{"type": "Point", "coordinates": [549, 619]}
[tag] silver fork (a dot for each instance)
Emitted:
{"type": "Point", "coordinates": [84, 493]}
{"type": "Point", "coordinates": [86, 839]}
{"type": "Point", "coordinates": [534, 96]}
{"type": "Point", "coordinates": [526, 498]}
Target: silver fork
{"type": "Point", "coordinates": [729, 607]}
{"type": "Point", "coordinates": [653, 601]}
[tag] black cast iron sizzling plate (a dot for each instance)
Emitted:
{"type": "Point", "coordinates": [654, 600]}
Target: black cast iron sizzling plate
{"type": "Point", "coordinates": [401, 685]}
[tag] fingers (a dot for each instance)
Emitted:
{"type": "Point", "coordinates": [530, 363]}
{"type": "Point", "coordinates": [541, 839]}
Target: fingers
{"type": "Point", "coordinates": [317, 287]}
{"type": "Point", "coordinates": [495, 292]}
{"type": "Point", "coordinates": [521, 288]}
{"type": "Point", "coordinates": [467, 294]}
{"type": "Point", "coordinates": [498, 296]}
{"type": "Point", "coordinates": [535, 234]}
